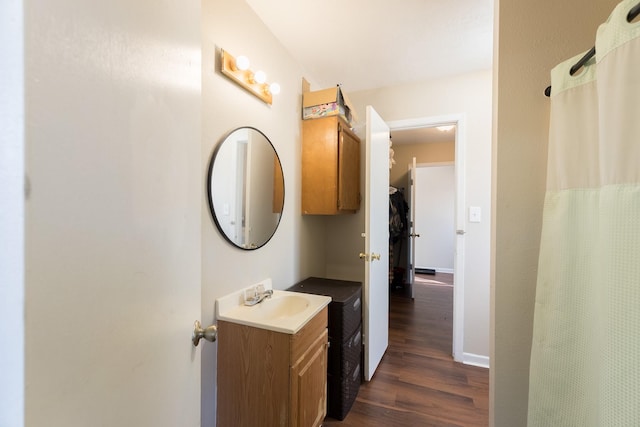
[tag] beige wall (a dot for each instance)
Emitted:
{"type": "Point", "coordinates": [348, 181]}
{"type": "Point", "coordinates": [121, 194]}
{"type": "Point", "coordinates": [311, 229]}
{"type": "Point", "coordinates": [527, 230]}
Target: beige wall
{"type": "Point", "coordinates": [532, 38]}
{"type": "Point", "coordinates": [431, 152]}
{"type": "Point", "coordinates": [296, 250]}
{"type": "Point", "coordinates": [468, 95]}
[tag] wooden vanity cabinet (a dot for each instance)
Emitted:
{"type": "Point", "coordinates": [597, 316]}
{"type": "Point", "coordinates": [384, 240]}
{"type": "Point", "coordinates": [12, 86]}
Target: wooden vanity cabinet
{"type": "Point", "coordinates": [268, 378]}
{"type": "Point", "coordinates": [330, 167]}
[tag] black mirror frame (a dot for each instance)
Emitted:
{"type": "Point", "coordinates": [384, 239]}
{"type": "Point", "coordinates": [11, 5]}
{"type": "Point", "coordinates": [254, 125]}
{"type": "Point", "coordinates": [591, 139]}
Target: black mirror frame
{"type": "Point", "coordinates": [210, 189]}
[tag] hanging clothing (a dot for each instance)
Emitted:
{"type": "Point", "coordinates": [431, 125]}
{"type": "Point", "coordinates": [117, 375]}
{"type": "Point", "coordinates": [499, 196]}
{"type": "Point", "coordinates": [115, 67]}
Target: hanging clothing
{"type": "Point", "coordinates": [398, 227]}
{"type": "Point", "coordinates": [586, 335]}
{"type": "Point", "coordinates": [398, 221]}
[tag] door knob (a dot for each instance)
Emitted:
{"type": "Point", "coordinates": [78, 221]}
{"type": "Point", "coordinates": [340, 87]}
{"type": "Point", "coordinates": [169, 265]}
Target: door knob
{"type": "Point", "coordinates": [210, 333]}
{"type": "Point", "coordinates": [414, 235]}
{"type": "Point", "coordinates": [460, 232]}
{"type": "Point", "coordinates": [364, 256]}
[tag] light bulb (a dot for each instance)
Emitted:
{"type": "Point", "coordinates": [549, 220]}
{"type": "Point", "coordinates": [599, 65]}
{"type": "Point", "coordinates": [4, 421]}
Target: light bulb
{"type": "Point", "coordinates": [242, 63]}
{"type": "Point", "coordinates": [260, 77]}
{"type": "Point", "coordinates": [274, 88]}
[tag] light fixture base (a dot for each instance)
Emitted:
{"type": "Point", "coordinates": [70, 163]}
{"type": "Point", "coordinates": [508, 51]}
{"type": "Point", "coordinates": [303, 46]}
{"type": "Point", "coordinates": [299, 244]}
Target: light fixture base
{"type": "Point", "coordinates": [244, 78]}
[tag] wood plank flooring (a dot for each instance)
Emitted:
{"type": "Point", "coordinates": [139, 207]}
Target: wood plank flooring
{"type": "Point", "coordinates": [417, 382]}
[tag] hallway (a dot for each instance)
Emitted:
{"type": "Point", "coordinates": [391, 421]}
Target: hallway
{"type": "Point", "coordinates": [417, 382]}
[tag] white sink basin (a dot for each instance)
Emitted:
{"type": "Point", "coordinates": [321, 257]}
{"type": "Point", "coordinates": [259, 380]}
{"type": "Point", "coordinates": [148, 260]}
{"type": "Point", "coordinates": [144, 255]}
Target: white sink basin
{"type": "Point", "coordinates": [278, 307]}
{"type": "Point", "coordinates": [285, 311]}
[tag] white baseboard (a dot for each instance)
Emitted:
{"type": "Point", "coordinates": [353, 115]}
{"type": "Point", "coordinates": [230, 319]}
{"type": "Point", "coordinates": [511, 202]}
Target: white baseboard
{"type": "Point", "coordinates": [475, 360]}
{"type": "Point", "coordinates": [438, 270]}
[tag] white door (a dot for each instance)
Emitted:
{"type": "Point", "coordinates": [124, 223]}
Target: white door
{"type": "Point", "coordinates": [435, 249]}
{"type": "Point", "coordinates": [113, 217]}
{"type": "Point", "coordinates": [376, 282]}
{"type": "Point", "coordinates": [411, 240]}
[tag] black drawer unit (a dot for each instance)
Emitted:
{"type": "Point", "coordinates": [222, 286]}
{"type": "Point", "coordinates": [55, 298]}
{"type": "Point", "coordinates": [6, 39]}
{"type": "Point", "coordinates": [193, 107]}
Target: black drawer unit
{"type": "Point", "coordinates": [347, 388]}
{"type": "Point", "coordinates": [345, 309]}
{"type": "Point", "coordinates": [343, 356]}
{"type": "Point", "coordinates": [345, 340]}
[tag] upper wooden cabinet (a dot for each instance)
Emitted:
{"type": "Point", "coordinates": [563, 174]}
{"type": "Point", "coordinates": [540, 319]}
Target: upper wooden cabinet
{"type": "Point", "coordinates": [330, 167]}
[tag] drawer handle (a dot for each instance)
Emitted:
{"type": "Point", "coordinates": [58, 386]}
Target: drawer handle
{"type": "Point", "coordinates": [356, 303]}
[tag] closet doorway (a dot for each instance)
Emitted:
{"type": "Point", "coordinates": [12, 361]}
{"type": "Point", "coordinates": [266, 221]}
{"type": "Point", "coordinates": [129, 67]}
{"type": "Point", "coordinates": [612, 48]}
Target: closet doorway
{"type": "Point", "coordinates": [421, 138]}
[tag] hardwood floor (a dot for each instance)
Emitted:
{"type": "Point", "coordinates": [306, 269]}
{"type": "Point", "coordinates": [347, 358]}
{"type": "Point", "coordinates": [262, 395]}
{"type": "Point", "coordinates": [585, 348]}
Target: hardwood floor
{"type": "Point", "coordinates": [417, 382]}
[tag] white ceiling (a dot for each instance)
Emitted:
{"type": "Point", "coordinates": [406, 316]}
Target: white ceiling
{"type": "Point", "coordinates": [368, 44]}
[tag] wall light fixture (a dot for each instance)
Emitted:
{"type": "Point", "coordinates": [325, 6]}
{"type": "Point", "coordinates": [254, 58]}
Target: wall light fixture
{"type": "Point", "coordinates": [237, 69]}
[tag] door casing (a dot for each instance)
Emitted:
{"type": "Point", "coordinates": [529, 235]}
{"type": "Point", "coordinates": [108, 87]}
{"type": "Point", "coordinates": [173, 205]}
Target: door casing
{"type": "Point", "coordinates": [459, 120]}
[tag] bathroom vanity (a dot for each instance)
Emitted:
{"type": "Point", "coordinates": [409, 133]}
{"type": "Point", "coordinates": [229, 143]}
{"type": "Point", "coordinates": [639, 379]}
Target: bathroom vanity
{"type": "Point", "coordinates": [272, 362]}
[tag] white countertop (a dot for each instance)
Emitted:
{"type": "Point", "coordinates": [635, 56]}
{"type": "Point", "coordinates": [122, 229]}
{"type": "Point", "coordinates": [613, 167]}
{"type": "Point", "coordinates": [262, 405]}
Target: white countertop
{"type": "Point", "coordinates": [284, 311]}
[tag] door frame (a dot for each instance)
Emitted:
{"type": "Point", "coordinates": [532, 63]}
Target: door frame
{"type": "Point", "coordinates": [459, 120]}
{"type": "Point", "coordinates": [13, 189]}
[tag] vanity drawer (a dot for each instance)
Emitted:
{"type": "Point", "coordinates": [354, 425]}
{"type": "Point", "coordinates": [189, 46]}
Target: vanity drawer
{"type": "Point", "coordinates": [302, 341]}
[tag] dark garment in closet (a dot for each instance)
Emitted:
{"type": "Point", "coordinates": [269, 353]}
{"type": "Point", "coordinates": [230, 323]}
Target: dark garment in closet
{"type": "Point", "coordinates": [398, 221]}
{"type": "Point", "coordinates": [398, 226]}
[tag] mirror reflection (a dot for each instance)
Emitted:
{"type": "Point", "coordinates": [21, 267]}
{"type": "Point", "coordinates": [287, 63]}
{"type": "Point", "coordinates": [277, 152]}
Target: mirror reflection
{"type": "Point", "coordinates": [246, 188]}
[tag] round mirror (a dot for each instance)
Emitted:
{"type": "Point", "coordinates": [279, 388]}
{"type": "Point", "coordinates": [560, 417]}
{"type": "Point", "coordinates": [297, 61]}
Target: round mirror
{"type": "Point", "coordinates": [246, 188]}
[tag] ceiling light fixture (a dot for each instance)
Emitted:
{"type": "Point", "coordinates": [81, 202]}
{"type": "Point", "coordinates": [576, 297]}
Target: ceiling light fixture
{"type": "Point", "coordinates": [237, 69]}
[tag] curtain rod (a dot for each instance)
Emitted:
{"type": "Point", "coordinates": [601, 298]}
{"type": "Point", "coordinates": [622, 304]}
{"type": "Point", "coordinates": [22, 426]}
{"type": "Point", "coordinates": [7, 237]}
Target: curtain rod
{"type": "Point", "coordinates": [633, 13]}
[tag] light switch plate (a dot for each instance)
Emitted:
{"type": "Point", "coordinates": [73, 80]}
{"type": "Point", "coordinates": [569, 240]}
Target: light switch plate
{"type": "Point", "coordinates": [475, 214]}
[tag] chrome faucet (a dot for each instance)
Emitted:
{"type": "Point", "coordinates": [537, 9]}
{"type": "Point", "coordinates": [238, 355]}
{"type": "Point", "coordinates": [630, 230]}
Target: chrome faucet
{"type": "Point", "coordinates": [256, 295]}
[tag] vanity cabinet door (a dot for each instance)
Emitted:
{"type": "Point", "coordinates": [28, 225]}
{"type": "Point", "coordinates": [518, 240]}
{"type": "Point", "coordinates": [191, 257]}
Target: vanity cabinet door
{"type": "Point", "coordinates": [253, 376]}
{"type": "Point", "coordinates": [309, 385]}
{"type": "Point", "coordinates": [330, 167]}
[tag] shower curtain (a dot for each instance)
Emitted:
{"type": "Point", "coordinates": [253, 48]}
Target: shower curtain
{"type": "Point", "coordinates": [585, 357]}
